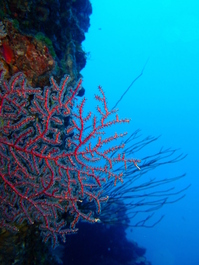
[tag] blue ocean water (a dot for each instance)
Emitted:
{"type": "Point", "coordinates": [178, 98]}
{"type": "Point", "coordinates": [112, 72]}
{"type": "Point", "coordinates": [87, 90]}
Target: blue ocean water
{"type": "Point", "coordinates": [163, 101]}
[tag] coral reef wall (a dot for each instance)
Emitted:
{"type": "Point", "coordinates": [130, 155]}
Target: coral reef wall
{"type": "Point", "coordinates": [42, 38]}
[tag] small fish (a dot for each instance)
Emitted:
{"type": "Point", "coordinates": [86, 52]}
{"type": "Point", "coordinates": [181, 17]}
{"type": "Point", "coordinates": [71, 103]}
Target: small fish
{"type": "Point", "coordinates": [7, 53]}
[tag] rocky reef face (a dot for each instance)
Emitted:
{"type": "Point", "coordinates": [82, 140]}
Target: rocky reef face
{"type": "Point", "coordinates": [42, 38]}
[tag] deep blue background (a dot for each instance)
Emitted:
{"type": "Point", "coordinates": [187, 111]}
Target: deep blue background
{"type": "Point", "coordinates": [165, 100]}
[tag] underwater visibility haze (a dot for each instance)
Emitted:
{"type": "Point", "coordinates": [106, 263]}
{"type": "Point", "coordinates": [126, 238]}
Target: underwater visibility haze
{"type": "Point", "coordinates": [164, 101]}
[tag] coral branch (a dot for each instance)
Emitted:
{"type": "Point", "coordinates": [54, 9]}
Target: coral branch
{"type": "Point", "coordinates": [47, 166]}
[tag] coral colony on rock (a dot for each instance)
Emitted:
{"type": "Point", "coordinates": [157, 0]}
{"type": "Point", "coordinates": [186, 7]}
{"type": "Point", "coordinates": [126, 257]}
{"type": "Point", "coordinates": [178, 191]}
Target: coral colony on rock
{"type": "Point", "coordinates": [45, 170]}
{"type": "Point", "coordinates": [60, 166]}
{"type": "Point", "coordinates": [56, 171]}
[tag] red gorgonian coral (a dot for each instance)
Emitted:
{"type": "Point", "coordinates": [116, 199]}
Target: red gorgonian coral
{"type": "Point", "coordinates": [49, 162]}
